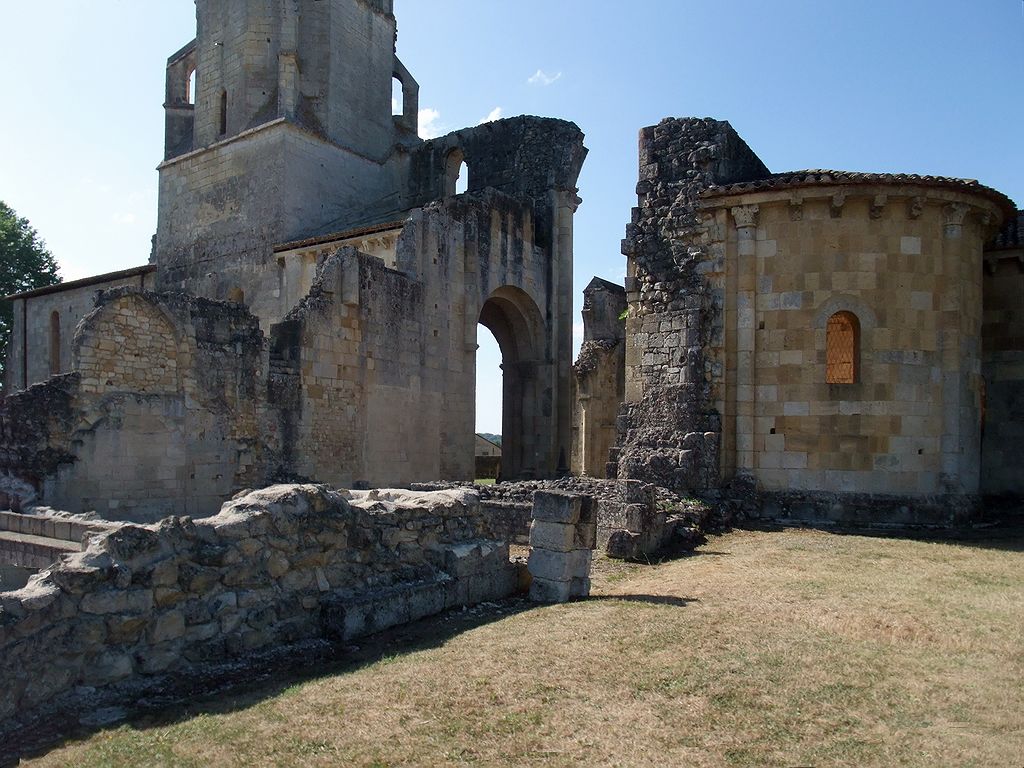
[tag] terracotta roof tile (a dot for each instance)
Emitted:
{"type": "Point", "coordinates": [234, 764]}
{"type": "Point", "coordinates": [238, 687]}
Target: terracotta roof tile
{"type": "Point", "coordinates": [823, 177]}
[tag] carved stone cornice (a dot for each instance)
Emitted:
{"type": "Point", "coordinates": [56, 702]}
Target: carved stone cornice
{"type": "Point", "coordinates": [745, 216]}
{"type": "Point", "coordinates": [796, 208]}
{"type": "Point", "coordinates": [915, 207]}
{"type": "Point", "coordinates": [878, 206]}
{"type": "Point", "coordinates": [953, 215]}
{"type": "Point", "coordinates": [836, 205]}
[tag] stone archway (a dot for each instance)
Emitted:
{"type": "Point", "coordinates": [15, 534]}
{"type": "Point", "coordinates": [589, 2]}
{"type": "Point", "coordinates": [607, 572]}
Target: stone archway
{"type": "Point", "coordinates": [527, 428]}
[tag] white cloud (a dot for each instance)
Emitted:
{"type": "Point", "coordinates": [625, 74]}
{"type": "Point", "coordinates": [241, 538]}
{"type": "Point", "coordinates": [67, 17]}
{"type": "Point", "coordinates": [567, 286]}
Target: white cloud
{"type": "Point", "coordinates": [495, 114]}
{"type": "Point", "coordinates": [543, 78]}
{"type": "Point", "coordinates": [124, 218]}
{"type": "Point", "coordinates": [430, 123]}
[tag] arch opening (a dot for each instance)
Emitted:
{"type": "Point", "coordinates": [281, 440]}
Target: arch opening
{"type": "Point", "coordinates": [190, 87]}
{"type": "Point", "coordinates": [456, 177]}
{"type": "Point", "coordinates": [488, 405]}
{"type": "Point", "coordinates": [516, 324]}
{"type": "Point", "coordinates": [842, 348]}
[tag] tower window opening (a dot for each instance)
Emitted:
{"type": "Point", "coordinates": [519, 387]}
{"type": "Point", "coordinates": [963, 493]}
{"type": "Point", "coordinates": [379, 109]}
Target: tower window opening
{"type": "Point", "coordinates": [223, 113]}
{"type": "Point", "coordinates": [456, 173]}
{"type": "Point", "coordinates": [190, 88]}
{"type": "Point", "coordinates": [397, 98]}
{"type": "Point", "coordinates": [842, 346]}
{"type": "Point", "coordinates": [54, 343]}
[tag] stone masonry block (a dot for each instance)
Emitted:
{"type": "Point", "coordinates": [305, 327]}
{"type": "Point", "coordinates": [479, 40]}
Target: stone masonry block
{"type": "Point", "coordinates": [556, 537]}
{"type": "Point", "coordinates": [547, 591]}
{"type": "Point", "coordinates": [556, 507]}
{"type": "Point", "coordinates": [559, 566]}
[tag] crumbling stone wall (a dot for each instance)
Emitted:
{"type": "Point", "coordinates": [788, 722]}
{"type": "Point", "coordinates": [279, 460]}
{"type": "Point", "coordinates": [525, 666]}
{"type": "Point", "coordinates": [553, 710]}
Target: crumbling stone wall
{"type": "Point", "coordinates": [165, 413]}
{"type": "Point", "coordinates": [669, 429]}
{"type": "Point", "coordinates": [30, 353]}
{"type": "Point", "coordinates": [600, 372]}
{"type": "Point", "coordinates": [276, 566]}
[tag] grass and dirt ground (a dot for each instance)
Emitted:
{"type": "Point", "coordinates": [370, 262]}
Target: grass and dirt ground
{"type": "Point", "coordinates": [788, 648]}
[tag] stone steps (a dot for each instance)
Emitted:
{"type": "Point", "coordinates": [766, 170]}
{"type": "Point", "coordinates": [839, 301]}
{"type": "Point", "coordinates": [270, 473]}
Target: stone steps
{"type": "Point", "coordinates": [25, 550]}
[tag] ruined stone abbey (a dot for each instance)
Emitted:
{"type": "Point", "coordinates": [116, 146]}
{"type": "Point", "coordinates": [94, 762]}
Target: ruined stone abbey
{"type": "Point", "coordinates": [843, 346]}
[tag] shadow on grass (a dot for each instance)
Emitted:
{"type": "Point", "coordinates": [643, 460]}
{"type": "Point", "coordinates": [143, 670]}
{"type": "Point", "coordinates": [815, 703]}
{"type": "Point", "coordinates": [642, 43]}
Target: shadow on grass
{"type": "Point", "coordinates": [243, 684]}
{"type": "Point", "coordinates": [1007, 536]}
{"type": "Point", "coordinates": [679, 602]}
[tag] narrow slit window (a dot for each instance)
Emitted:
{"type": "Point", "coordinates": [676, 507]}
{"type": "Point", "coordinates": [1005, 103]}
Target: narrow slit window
{"type": "Point", "coordinates": [54, 343]}
{"type": "Point", "coordinates": [223, 113]}
{"type": "Point", "coordinates": [842, 344]}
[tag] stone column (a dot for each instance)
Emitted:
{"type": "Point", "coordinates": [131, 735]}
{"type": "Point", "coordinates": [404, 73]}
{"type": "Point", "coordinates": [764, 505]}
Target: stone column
{"type": "Point", "coordinates": [565, 204]}
{"type": "Point", "coordinates": [745, 218]}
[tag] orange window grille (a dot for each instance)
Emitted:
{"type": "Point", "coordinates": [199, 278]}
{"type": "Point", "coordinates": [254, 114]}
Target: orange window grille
{"type": "Point", "coordinates": [842, 345]}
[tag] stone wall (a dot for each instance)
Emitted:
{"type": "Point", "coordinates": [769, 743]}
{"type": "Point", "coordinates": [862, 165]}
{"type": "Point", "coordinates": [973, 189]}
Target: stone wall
{"type": "Point", "coordinates": [669, 427]}
{"type": "Point", "coordinates": [30, 354]}
{"type": "Point", "coordinates": [733, 275]}
{"type": "Point", "coordinates": [905, 261]}
{"type": "Point", "coordinates": [600, 371]}
{"type": "Point", "coordinates": [275, 567]}
{"type": "Point", "coordinates": [165, 414]}
{"type": "Point", "coordinates": [1002, 337]}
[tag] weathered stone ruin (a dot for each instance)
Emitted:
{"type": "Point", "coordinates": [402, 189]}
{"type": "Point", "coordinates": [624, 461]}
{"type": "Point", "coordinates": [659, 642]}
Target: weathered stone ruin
{"type": "Point", "coordinates": [600, 382]}
{"type": "Point", "coordinates": [315, 289]}
{"type": "Point", "coordinates": [275, 567]}
{"type": "Point", "coordinates": [826, 345]}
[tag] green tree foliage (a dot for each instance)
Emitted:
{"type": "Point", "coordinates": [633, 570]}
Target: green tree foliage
{"type": "Point", "coordinates": [25, 263]}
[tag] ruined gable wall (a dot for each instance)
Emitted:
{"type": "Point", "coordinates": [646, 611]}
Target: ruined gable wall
{"type": "Point", "coordinates": [150, 605]}
{"type": "Point", "coordinates": [71, 304]}
{"type": "Point", "coordinates": [164, 413]}
{"type": "Point", "coordinates": [670, 427]}
{"type": "Point", "coordinates": [1003, 369]}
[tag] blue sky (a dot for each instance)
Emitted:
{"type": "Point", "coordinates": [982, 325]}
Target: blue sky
{"type": "Point", "coordinates": [902, 85]}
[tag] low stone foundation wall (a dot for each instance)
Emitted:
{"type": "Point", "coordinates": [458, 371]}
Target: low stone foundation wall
{"type": "Point", "coordinates": [508, 521]}
{"type": "Point", "coordinates": [277, 566]}
{"type": "Point", "coordinates": [874, 511]}
{"type": "Point", "coordinates": [635, 520]}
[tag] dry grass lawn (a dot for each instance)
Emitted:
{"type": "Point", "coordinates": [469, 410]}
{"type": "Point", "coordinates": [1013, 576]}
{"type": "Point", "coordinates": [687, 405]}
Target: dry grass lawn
{"type": "Point", "coordinates": [793, 648]}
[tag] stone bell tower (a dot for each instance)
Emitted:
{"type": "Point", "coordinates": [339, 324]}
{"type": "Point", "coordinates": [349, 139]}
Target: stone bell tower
{"type": "Point", "coordinates": [279, 125]}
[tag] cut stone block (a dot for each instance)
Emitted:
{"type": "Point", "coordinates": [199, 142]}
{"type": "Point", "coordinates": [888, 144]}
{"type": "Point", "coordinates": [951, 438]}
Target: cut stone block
{"type": "Point", "coordinates": [548, 591]}
{"type": "Point", "coordinates": [559, 566]}
{"type": "Point", "coordinates": [556, 507]}
{"type": "Point", "coordinates": [557, 537]}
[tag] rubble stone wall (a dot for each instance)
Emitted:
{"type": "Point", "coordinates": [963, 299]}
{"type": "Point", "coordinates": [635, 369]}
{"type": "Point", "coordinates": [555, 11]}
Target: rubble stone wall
{"type": "Point", "coordinates": [669, 429]}
{"type": "Point", "coordinates": [276, 566]}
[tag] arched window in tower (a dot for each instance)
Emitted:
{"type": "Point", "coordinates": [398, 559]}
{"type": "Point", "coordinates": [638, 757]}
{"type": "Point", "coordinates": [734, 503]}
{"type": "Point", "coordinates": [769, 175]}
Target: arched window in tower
{"type": "Point", "coordinates": [54, 343]}
{"type": "Point", "coordinates": [190, 88]}
{"type": "Point", "coordinates": [397, 98]}
{"type": "Point", "coordinates": [456, 173]}
{"type": "Point", "coordinates": [842, 346]}
{"type": "Point", "coordinates": [223, 113]}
